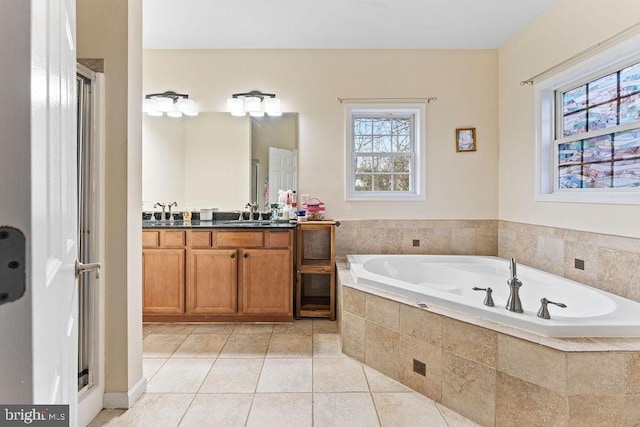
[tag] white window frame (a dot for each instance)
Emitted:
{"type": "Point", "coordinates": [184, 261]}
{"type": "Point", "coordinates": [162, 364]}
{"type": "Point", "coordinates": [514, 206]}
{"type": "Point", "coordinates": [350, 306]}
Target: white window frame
{"type": "Point", "coordinates": [546, 190]}
{"type": "Point", "coordinates": [418, 111]}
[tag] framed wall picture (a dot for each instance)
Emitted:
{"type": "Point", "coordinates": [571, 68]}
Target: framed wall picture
{"type": "Point", "coordinates": [465, 139]}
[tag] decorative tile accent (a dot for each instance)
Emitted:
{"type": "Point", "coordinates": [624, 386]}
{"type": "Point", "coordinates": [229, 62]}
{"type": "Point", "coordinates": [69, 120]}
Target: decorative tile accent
{"type": "Point", "coordinates": [431, 383]}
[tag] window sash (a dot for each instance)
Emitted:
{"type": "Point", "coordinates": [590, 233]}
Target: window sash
{"type": "Point", "coordinates": [559, 126]}
{"type": "Point", "coordinates": [410, 154]}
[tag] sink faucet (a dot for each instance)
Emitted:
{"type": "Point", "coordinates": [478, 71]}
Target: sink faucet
{"type": "Point", "coordinates": [170, 214]}
{"type": "Point", "coordinates": [252, 208]}
{"type": "Point", "coordinates": [164, 214]}
{"type": "Point", "coordinates": [513, 302]}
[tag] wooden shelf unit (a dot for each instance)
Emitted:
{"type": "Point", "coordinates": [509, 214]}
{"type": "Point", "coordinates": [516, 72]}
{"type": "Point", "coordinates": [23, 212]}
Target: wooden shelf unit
{"type": "Point", "coordinates": [316, 270]}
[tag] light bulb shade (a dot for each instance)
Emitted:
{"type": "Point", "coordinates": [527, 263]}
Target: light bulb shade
{"type": "Point", "coordinates": [252, 104]}
{"type": "Point", "coordinates": [154, 113]}
{"type": "Point", "coordinates": [187, 107]}
{"type": "Point", "coordinates": [149, 105]}
{"type": "Point", "coordinates": [174, 113]}
{"type": "Point", "coordinates": [272, 106]}
{"type": "Point", "coordinates": [164, 104]}
{"type": "Point", "coordinates": [257, 114]}
{"type": "Point", "coordinates": [235, 106]}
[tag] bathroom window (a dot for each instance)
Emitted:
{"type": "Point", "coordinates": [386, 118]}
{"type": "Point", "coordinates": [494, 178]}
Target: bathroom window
{"type": "Point", "coordinates": [384, 152]}
{"type": "Point", "coordinates": [589, 138]}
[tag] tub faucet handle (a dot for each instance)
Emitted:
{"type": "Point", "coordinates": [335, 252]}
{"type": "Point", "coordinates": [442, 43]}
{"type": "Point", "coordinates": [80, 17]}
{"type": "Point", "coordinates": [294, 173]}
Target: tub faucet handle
{"type": "Point", "coordinates": [544, 311]}
{"type": "Point", "coordinates": [488, 299]}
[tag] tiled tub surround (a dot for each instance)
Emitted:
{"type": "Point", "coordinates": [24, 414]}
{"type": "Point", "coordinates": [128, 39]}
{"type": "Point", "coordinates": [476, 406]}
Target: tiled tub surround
{"type": "Point", "coordinates": [492, 374]}
{"type": "Point", "coordinates": [611, 263]}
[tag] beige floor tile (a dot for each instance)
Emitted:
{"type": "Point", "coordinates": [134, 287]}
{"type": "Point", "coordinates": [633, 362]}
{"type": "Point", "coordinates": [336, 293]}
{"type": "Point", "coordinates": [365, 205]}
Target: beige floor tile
{"type": "Point", "coordinates": [327, 345]}
{"type": "Point", "coordinates": [299, 327]}
{"type": "Point", "coordinates": [381, 383]}
{"type": "Point", "coordinates": [281, 409]}
{"type": "Point", "coordinates": [289, 345]}
{"type": "Point", "coordinates": [151, 328]}
{"type": "Point", "coordinates": [229, 410]}
{"type": "Point", "coordinates": [174, 328]}
{"type": "Point", "coordinates": [151, 366]}
{"type": "Point", "coordinates": [106, 417]}
{"type": "Point", "coordinates": [453, 419]}
{"type": "Point", "coordinates": [285, 376]}
{"type": "Point", "coordinates": [253, 328]}
{"type": "Point", "coordinates": [161, 345]}
{"type": "Point", "coordinates": [155, 409]}
{"type": "Point", "coordinates": [407, 409]}
{"type": "Point", "coordinates": [325, 326]}
{"type": "Point", "coordinates": [232, 376]}
{"type": "Point", "coordinates": [214, 328]}
{"type": "Point", "coordinates": [245, 346]}
{"type": "Point", "coordinates": [205, 346]}
{"type": "Point", "coordinates": [180, 376]}
{"type": "Point", "coordinates": [344, 409]}
{"type": "Point", "coordinates": [338, 375]}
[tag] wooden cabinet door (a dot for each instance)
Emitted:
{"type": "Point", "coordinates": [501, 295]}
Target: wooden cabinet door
{"type": "Point", "coordinates": [163, 281]}
{"type": "Point", "coordinates": [213, 281]}
{"type": "Point", "coordinates": [267, 281]}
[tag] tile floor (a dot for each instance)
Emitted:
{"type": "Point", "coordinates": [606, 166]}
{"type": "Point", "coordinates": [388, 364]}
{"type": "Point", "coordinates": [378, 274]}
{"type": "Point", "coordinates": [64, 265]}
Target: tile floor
{"type": "Point", "coordinates": [267, 375]}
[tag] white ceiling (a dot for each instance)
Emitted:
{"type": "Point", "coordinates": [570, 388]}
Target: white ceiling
{"type": "Point", "coordinates": [335, 24]}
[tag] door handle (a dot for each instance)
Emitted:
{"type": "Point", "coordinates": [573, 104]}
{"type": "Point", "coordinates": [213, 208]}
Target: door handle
{"type": "Point", "coordinates": [86, 268]}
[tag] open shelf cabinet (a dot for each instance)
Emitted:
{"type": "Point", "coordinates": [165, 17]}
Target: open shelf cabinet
{"type": "Point", "coordinates": [316, 270]}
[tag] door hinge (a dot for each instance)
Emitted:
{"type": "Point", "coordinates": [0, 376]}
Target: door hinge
{"type": "Point", "coordinates": [12, 264]}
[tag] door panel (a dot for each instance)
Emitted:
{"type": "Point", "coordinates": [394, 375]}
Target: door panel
{"type": "Point", "coordinates": [213, 279]}
{"type": "Point", "coordinates": [267, 281]}
{"type": "Point", "coordinates": [282, 171]}
{"type": "Point", "coordinates": [163, 280]}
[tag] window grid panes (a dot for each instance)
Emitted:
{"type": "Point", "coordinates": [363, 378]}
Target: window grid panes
{"type": "Point", "coordinates": [383, 153]}
{"type": "Point", "coordinates": [609, 160]}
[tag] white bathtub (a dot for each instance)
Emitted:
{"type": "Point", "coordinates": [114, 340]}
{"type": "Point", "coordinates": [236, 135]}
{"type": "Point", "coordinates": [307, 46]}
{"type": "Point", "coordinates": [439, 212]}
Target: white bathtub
{"type": "Point", "coordinates": [447, 280]}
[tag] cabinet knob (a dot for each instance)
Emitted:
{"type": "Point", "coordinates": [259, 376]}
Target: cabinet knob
{"type": "Point", "coordinates": [232, 255]}
{"type": "Point", "coordinates": [245, 256]}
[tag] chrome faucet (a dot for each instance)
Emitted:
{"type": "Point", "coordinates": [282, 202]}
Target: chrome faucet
{"type": "Point", "coordinates": [513, 302]}
{"type": "Point", "coordinates": [253, 207]}
{"type": "Point", "coordinates": [164, 214]}
{"type": "Point", "coordinates": [170, 214]}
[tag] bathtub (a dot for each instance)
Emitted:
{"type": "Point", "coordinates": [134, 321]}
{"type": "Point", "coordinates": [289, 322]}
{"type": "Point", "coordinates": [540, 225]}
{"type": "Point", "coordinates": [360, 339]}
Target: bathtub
{"type": "Point", "coordinates": [447, 281]}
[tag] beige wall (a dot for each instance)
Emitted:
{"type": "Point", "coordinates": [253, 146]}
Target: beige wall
{"type": "Point", "coordinates": [459, 186]}
{"type": "Point", "coordinates": [567, 28]}
{"type": "Point", "coordinates": [112, 30]}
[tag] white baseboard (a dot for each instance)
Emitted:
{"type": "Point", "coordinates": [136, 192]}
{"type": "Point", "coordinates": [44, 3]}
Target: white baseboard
{"type": "Point", "coordinates": [125, 400]}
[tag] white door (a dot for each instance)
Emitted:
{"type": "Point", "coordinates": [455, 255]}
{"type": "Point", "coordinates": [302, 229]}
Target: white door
{"type": "Point", "coordinates": [282, 171]}
{"type": "Point", "coordinates": [38, 176]}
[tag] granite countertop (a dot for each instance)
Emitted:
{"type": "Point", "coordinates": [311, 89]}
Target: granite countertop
{"type": "Point", "coordinates": [217, 224]}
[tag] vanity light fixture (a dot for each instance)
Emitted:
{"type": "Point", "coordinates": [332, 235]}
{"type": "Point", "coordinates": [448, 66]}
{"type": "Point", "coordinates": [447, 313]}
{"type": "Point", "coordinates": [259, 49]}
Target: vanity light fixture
{"type": "Point", "coordinates": [255, 103]}
{"type": "Point", "coordinates": [169, 102]}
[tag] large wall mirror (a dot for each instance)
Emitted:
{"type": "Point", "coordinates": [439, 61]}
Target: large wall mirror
{"type": "Point", "coordinates": [215, 160]}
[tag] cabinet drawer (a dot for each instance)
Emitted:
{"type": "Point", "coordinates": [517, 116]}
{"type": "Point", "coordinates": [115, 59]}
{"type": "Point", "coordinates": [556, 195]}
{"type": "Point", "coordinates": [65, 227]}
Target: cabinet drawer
{"type": "Point", "coordinates": [244, 239]}
{"type": "Point", "coordinates": [173, 239]}
{"type": "Point", "coordinates": [201, 239]}
{"type": "Point", "coordinates": [279, 239]}
{"type": "Point", "coordinates": [150, 239]}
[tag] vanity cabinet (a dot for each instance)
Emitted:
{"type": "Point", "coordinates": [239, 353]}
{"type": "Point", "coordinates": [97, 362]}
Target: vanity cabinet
{"type": "Point", "coordinates": [218, 275]}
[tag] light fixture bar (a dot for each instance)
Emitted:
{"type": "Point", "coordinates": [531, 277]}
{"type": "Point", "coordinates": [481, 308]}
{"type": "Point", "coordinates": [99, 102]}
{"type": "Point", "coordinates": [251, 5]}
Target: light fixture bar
{"type": "Point", "coordinates": [256, 103]}
{"type": "Point", "coordinates": [172, 103]}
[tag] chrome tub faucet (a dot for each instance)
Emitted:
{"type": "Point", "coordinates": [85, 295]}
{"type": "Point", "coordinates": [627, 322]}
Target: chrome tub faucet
{"type": "Point", "coordinates": [513, 302]}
